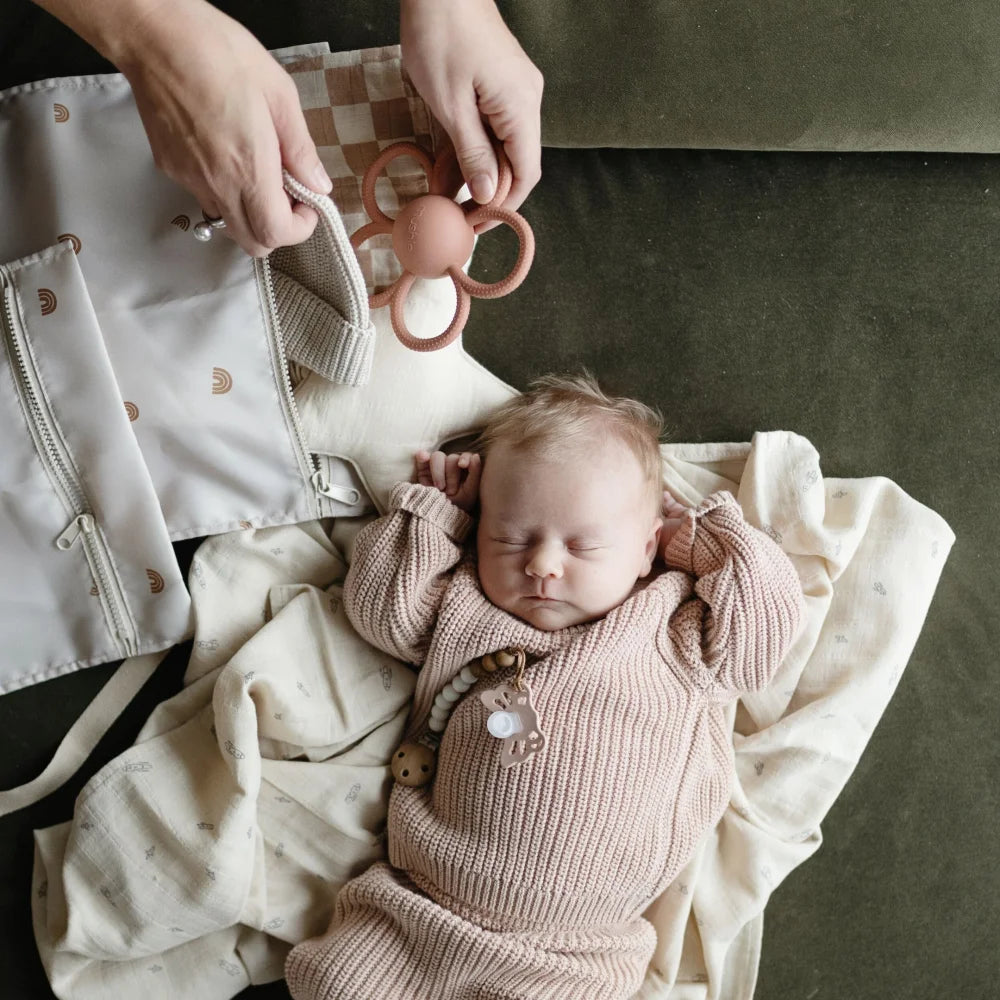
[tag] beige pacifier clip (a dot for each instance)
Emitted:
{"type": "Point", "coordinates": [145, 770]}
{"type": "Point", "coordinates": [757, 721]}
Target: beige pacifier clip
{"type": "Point", "coordinates": [512, 718]}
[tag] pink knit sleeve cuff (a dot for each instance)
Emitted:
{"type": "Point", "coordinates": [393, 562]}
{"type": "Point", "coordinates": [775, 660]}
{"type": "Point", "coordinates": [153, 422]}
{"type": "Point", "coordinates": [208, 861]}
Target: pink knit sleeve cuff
{"type": "Point", "coordinates": [431, 505]}
{"type": "Point", "coordinates": [679, 552]}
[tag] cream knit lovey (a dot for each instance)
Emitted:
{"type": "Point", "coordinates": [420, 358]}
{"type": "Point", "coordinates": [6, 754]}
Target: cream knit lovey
{"type": "Point", "coordinates": [539, 873]}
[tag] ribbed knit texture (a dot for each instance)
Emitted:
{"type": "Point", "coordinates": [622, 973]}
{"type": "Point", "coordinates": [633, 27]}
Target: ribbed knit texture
{"type": "Point", "coordinates": [582, 836]}
{"type": "Point", "coordinates": [317, 336]}
{"type": "Point", "coordinates": [382, 915]}
{"type": "Point", "coordinates": [321, 297]}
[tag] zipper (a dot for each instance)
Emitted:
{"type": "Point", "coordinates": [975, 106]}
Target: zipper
{"type": "Point", "coordinates": [82, 523]}
{"type": "Point", "coordinates": [342, 494]}
{"type": "Point", "coordinates": [308, 463]}
{"type": "Point", "coordinates": [311, 468]}
{"type": "Point", "coordinates": [62, 474]}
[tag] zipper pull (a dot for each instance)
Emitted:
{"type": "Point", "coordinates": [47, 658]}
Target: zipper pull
{"type": "Point", "coordinates": [344, 494]}
{"type": "Point", "coordinates": [81, 523]}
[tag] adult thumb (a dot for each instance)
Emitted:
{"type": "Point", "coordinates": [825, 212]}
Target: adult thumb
{"type": "Point", "coordinates": [298, 151]}
{"type": "Point", "coordinates": [476, 158]}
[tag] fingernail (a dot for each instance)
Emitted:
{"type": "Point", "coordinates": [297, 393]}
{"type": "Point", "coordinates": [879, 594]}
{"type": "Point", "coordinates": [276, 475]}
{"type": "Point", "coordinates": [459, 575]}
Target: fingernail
{"type": "Point", "coordinates": [321, 180]}
{"type": "Point", "coordinates": [482, 188]}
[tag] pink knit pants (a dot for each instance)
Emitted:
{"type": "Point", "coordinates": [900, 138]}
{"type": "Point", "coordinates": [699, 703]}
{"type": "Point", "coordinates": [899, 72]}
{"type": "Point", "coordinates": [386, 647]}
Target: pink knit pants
{"type": "Point", "coordinates": [389, 941]}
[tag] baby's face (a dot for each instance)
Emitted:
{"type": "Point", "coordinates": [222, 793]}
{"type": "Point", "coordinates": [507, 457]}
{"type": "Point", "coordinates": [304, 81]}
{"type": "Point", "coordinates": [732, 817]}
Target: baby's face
{"type": "Point", "coordinates": [563, 540]}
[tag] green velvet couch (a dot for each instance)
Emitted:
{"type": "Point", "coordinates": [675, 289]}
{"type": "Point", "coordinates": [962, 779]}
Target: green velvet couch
{"type": "Point", "coordinates": [807, 239]}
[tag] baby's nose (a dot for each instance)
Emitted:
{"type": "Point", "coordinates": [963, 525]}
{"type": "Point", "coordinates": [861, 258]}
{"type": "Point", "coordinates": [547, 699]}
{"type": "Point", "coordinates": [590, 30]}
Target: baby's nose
{"type": "Point", "coordinates": [544, 561]}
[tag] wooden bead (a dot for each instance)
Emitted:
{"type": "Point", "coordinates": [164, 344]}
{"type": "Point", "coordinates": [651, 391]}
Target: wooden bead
{"type": "Point", "coordinates": [413, 764]}
{"type": "Point", "coordinates": [505, 659]}
{"type": "Point", "coordinates": [489, 663]}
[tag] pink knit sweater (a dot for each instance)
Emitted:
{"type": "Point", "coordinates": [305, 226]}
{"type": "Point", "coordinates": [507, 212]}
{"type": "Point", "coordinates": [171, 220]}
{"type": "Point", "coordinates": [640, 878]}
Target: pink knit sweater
{"type": "Point", "coordinates": [638, 760]}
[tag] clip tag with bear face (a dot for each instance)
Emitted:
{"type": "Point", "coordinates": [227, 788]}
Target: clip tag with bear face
{"type": "Point", "coordinates": [514, 720]}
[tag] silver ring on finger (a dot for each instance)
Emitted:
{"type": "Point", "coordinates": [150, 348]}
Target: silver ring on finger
{"type": "Point", "coordinates": [203, 230]}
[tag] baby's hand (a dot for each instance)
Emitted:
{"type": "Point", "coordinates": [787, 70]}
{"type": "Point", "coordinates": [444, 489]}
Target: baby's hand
{"type": "Point", "coordinates": [457, 476]}
{"type": "Point", "coordinates": [673, 517]}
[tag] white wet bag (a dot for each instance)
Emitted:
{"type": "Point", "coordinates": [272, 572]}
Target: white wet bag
{"type": "Point", "coordinates": [144, 379]}
{"type": "Point", "coordinates": [193, 330]}
{"type": "Point", "coordinates": [88, 573]}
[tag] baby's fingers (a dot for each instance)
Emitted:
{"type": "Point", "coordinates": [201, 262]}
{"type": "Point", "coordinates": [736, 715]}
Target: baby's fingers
{"type": "Point", "coordinates": [438, 461]}
{"type": "Point", "coordinates": [468, 493]}
{"type": "Point", "coordinates": [474, 466]}
{"type": "Point", "coordinates": [452, 475]}
{"type": "Point", "coordinates": [671, 506]}
{"type": "Point", "coordinates": [422, 466]}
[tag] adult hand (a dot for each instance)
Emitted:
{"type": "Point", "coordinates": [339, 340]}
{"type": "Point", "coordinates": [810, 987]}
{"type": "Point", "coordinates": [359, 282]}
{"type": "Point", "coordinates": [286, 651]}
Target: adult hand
{"type": "Point", "coordinates": [223, 118]}
{"type": "Point", "coordinates": [474, 75]}
{"type": "Point", "coordinates": [457, 476]}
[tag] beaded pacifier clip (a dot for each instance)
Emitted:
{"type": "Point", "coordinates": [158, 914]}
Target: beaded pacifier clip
{"type": "Point", "coordinates": [512, 718]}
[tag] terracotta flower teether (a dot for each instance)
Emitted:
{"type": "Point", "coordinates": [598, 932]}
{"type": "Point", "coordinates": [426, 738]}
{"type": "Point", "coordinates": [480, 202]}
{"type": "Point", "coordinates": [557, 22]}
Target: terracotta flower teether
{"type": "Point", "coordinates": [433, 236]}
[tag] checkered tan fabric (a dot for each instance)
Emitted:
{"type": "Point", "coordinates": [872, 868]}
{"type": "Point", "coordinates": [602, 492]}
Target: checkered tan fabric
{"type": "Point", "coordinates": [356, 104]}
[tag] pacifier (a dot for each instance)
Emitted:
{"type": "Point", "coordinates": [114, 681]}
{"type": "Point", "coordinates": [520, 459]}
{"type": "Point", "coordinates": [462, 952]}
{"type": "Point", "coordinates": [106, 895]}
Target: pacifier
{"type": "Point", "coordinates": [503, 724]}
{"type": "Point", "coordinates": [513, 717]}
{"type": "Point", "coordinates": [433, 236]}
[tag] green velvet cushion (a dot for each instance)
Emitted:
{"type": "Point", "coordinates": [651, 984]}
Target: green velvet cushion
{"type": "Point", "coordinates": [913, 74]}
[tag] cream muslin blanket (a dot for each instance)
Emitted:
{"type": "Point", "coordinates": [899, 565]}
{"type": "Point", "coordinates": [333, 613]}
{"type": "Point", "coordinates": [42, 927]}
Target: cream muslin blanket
{"type": "Point", "coordinates": [221, 837]}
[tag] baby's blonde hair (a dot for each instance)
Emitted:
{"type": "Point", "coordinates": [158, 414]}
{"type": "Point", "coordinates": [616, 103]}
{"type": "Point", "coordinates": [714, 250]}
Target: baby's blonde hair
{"type": "Point", "coordinates": [559, 411]}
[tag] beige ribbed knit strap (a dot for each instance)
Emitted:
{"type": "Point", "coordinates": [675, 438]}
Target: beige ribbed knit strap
{"type": "Point", "coordinates": [83, 736]}
{"type": "Point", "coordinates": [321, 297]}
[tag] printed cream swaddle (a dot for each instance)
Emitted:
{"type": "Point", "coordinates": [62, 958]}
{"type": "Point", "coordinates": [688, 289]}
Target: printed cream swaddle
{"type": "Point", "coordinates": [317, 796]}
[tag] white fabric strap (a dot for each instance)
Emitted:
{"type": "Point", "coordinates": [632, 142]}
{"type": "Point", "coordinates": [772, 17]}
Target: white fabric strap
{"type": "Point", "coordinates": [83, 736]}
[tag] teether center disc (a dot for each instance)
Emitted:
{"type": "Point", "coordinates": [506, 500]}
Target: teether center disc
{"type": "Point", "coordinates": [430, 235]}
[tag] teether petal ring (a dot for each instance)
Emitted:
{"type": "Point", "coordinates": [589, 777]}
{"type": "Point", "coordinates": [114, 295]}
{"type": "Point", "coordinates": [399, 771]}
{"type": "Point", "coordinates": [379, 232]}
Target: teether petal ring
{"type": "Point", "coordinates": [396, 299]}
{"type": "Point", "coordinates": [525, 255]}
{"type": "Point", "coordinates": [433, 237]}
{"type": "Point", "coordinates": [384, 158]}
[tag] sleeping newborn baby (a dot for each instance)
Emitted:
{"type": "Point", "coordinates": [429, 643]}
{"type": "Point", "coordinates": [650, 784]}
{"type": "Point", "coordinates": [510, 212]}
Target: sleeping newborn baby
{"type": "Point", "coordinates": [567, 745]}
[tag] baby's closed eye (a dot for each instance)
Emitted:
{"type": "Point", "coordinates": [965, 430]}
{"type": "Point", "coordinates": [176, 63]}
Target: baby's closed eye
{"type": "Point", "coordinates": [573, 546]}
